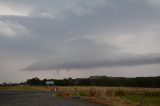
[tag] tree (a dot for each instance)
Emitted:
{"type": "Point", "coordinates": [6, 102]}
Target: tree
{"type": "Point", "coordinates": [34, 81]}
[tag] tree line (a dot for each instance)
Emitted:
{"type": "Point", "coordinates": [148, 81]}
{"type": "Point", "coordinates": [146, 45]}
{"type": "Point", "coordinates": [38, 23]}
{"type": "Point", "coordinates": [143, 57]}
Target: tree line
{"type": "Point", "coordinates": [101, 81]}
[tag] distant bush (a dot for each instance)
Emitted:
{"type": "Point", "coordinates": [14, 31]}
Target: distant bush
{"type": "Point", "coordinates": [149, 82]}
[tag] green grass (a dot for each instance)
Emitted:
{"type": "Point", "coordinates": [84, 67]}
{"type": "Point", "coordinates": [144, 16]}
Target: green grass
{"type": "Point", "coordinates": [147, 100]}
{"type": "Point", "coordinates": [83, 93]}
{"type": "Point", "coordinates": [30, 88]}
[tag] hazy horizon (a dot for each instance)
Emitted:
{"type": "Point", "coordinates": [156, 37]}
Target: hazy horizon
{"type": "Point", "coordinates": [78, 38]}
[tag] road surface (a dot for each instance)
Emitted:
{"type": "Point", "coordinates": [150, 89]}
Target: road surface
{"type": "Point", "coordinates": [37, 98]}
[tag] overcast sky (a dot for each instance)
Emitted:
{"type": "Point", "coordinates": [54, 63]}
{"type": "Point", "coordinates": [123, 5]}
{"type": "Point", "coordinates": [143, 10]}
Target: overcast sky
{"type": "Point", "coordinates": [79, 38]}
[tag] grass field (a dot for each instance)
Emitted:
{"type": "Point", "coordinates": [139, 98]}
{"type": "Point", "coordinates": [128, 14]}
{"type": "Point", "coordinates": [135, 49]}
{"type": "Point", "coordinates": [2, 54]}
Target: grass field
{"type": "Point", "coordinates": [117, 96]}
{"type": "Point", "coordinates": [111, 96]}
{"type": "Point", "coordinates": [26, 87]}
{"type": "Point", "coordinates": [147, 100]}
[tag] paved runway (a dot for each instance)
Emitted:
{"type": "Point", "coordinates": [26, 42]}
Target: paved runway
{"type": "Point", "coordinates": [37, 98]}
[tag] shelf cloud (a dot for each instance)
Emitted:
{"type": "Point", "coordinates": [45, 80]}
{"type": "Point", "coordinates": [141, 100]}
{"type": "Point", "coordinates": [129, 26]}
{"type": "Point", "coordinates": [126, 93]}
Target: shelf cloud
{"type": "Point", "coordinates": [79, 35]}
{"type": "Point", "coordinates": [132, 61]}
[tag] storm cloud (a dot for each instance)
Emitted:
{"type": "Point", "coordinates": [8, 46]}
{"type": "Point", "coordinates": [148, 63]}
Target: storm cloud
{"type": "Point", "coordinates": [132, 61]}
{"type": "Point", "coordinates": [78, 34]}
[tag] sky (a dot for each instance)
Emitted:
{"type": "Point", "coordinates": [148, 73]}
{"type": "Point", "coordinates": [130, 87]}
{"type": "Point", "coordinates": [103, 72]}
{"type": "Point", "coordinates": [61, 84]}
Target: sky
{"type": "Point", "coordinates": [78, 38]}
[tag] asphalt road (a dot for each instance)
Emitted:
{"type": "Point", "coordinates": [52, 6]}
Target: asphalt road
{"type": "Point", "coordinates": [32, 98]}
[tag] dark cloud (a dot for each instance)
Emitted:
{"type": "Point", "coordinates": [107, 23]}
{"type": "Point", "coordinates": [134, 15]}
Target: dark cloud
{"type": "Point", "coordinates": [80, 34]}
{"type": "Point", "coordinates": [87, 64]}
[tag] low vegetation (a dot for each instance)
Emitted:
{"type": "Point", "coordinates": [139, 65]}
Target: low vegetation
{"type": "Point", "coordinates": [112, 91]}
{"type": "Point", "coordinates": [117, 96]}
{"type": "Point", "coordinates": [23, 87]}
